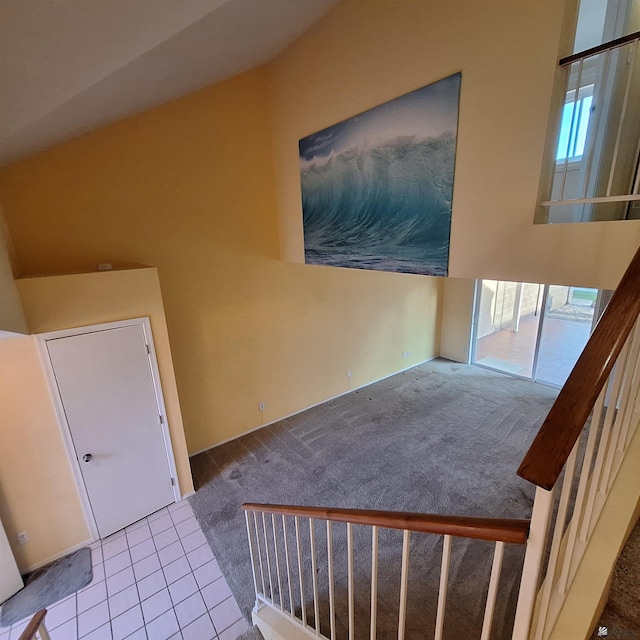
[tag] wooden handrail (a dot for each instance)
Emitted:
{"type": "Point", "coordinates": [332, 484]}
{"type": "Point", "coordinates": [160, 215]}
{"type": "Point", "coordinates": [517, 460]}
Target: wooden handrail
{"type": "Point", "coordinates": [601, 48]}
{"type": "Point", "coordinates": [496, 529]}
{"type": "Point", "coordinates": [559, 432]}
{"type": "Point", "coordinates": [34, 624]}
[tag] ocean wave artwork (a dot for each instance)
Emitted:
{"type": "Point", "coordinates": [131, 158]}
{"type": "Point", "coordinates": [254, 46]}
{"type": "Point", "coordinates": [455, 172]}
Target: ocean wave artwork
{"type": "Point", "coordinates": [377, 188]}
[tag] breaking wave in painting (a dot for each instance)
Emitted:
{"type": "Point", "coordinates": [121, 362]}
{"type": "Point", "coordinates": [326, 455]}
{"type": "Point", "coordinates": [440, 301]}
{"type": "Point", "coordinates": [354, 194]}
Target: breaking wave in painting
{"type": "Point", "coordinates": [385, 207]}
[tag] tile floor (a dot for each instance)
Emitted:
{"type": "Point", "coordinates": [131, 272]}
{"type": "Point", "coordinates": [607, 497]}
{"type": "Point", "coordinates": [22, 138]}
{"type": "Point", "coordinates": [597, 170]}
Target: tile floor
{"type": "Point", "coordinates": [561, 345]}
{"type": "Point", "coordinates": [155, 580]}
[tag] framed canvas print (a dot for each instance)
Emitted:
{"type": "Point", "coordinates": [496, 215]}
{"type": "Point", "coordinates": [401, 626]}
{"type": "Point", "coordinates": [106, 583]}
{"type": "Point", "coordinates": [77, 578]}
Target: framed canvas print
{"type": "Point", "coordinates": [377, 188]}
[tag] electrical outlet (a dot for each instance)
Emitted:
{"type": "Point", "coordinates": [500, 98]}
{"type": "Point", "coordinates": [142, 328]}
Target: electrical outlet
{"type": "Point", "coordinates": [23, 537]}
{"type": "Point", "coordinates": [261, 406]}
{"type": "Point", "coordinates": [406, 354]}
{"type": "Point", "coordinates": [348, 374]}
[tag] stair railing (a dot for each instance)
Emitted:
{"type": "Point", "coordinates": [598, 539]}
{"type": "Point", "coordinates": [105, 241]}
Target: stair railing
{"type": "Point", "coordinates": [36, 627]}
{"type": "Point", "coordinates": [282, 568]}
{"type": "Point", "coordinates": [574, 459]}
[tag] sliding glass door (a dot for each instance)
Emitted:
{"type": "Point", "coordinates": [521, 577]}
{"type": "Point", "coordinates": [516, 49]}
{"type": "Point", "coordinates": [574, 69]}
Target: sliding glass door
{"type": "Point", "coordinates": [532, 330]}
{"type": "Point", "coordinates": [507, 322]}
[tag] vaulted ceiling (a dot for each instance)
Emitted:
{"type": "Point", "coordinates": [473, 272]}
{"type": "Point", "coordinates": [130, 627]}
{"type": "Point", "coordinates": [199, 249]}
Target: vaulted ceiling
{"type": "Point", "coordinates": [71, 66]}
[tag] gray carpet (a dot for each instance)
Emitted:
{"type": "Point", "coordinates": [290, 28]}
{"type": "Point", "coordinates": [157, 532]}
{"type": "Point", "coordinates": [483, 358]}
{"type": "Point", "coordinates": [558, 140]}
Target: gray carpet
{"type": "Point", "coordinates": [440, 438]}
{"type": "Point", "coordinates": [47, 585]}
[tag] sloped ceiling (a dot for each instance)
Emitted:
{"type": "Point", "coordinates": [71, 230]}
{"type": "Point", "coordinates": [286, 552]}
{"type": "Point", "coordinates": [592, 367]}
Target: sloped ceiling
{"type": "Point", "coordinates": [71, 66]}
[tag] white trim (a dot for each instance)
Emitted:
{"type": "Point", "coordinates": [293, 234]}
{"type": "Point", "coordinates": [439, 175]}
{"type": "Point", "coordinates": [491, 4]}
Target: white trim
{"type": "Point", "coordinates": [42, 339]}
{"type": "Point", "coordinates": [57, 556]}
{"type": "Point", "coordinates": [555, 203]}
{"type": "Point", "coordinates": [475, 319]}
{"type": "Point", "coordinates": [311, 406]}
{"type": "Point", "coordinates": [157, 384]}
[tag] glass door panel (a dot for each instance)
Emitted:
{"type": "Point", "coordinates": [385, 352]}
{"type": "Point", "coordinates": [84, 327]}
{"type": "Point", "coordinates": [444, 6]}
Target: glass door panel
{"type": "Point", "coordinates": [568, 320]}
{"type": "Point", "coordinates": [532, 330]}
{"type": "Point", "coordinates": [507, 318]}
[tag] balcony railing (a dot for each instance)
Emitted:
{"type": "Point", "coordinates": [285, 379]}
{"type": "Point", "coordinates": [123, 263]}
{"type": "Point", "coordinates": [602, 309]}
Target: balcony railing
{"type": "Point", "coordinates": [596, 166]}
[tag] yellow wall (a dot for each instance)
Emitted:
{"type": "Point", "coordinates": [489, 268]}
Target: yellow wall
{"type": "Point", "coordinates": [457, 311]}
{"type": "Point", "coordinates": [365, 52]}
{"type": "Point", "coordinates": [11, 315]}
{"type": "Point", "coordinates": [189, 187]}
{"type": "Point", "coordinates": [37, 490]}
{"type": "Point", "coordinates": [206, 188]}
{"type": "Point", "coordinates": [62, 302]}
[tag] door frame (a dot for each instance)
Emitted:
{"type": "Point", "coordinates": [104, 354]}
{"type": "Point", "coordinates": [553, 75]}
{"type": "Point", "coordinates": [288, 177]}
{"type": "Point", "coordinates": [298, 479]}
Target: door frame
{"type": "Point", "coordinates": [65, 430]}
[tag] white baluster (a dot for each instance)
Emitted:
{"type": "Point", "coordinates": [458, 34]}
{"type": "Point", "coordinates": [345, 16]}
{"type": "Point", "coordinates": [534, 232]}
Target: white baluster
{"type": "Point", "coordinates": [255, 524]}
{"type": "Point", "coordinates": [599, 110]}
{"type": "Point", "coordinates": [350, 580]}
{"type": "Point", "coordinates": [591, 513]}
{"type": "Point", "coordinates": [625, 102]}
{"type": "Point", "coordinates": [556, 541]}
{"type": "Point", "coordinates": [251, 552]}
{"type": "Point", "coordinates": [314, 576]}
{"type": "Point", "coordinates": [404, 581]}
{"type": "Point", "coordinates": [275, 547]}
{"type": "Point", "coordinates": [302, 603]}
{"type": "Point", "coordinates": [266, 546]}
{"type": "Point", "coordinates": [632, 388]}
{"type": "Point", "coordinates": [542, 509]}
{"type": "Point", "coordinates": [493, 591]}
{"type": "Point", "coordinates": [286, 555]}
{"type": "Point", "coordinates": [332, 607]}
{"type": "Point", "coordinates": [374, 581]}
{"type": "Point", "coordinates": [444, 584]}
{"type": "Point", "coordinates": [578, 509]}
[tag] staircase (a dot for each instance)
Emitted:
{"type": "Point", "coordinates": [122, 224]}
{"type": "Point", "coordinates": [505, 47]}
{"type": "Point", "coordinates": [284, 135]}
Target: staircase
{"type": "Point", "coordinates": [585, 464]}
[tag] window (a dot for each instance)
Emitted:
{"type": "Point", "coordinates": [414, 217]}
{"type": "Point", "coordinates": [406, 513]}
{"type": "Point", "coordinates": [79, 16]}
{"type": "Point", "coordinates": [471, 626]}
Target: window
{"type": "Point", "coordinates": [573, 126]}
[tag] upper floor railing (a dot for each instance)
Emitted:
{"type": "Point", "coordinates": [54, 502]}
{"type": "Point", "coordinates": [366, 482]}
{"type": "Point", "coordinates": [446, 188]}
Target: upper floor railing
{"type": "Point", "coordinates": [601, 48]}
{"type": "Point", "coordinates": [596, 165]}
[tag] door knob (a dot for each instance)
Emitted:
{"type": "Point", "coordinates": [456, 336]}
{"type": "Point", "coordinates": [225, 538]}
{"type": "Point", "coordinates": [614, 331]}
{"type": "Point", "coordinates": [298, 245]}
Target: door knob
{"type": "Point", "coordinates": [87, 457]}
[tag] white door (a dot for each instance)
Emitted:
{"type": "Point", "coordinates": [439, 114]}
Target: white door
{"type": "Point", "coordinates": [10, 579]}
{"type": "Point", "coordinates": [108, 395]}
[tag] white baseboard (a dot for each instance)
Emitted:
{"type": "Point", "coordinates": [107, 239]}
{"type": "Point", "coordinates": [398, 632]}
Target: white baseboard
{"type": "Point", "coordinates": [86, 543]}
{"type": "Point", "coordinates": [311, 406]}
{"type": "Point", "coordinates": [57, 556]}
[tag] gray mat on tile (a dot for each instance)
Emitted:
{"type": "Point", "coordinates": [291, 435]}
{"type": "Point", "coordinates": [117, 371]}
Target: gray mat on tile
{"type": "Point", "coordinates": [48, 585]}
{"type": "Point", "coordinates": [440, 438]}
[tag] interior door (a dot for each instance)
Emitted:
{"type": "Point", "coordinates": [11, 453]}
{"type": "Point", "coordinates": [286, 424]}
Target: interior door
{"type": "Point", "coordinates": [10, 579]}
{"type": "Point", "coordinates": [108, 396]}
